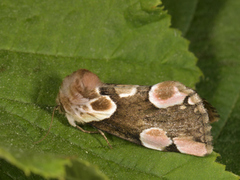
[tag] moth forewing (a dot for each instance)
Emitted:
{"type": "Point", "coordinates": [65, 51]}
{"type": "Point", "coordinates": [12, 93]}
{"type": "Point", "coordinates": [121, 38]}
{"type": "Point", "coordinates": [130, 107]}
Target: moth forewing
{"type": "Point", "coordinates": [167, 116]}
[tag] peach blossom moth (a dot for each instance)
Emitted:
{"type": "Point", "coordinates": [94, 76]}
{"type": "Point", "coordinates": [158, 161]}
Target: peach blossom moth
{"type": "Point", "coordinates": [167, 116]}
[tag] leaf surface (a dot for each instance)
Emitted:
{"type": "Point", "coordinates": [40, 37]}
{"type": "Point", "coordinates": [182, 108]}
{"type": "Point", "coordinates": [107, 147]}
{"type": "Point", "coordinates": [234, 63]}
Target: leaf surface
{"type": "Point", "coordinates": [129, 42]}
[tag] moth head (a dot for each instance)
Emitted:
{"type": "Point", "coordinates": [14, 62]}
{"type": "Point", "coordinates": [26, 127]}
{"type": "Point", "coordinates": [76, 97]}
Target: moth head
{"type": "Point", "coordinates": [78, 88]}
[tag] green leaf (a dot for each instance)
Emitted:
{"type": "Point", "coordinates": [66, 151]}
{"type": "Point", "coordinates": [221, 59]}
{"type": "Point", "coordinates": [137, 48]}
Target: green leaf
{"type": "Point", "coordinates": [214, 36]}
{"type": "Point", "coordinates": [45, 164]}
{"type": "Point", "coordinates": [182, 13]}
{"type": "Point", "coordinates": [123, 42]}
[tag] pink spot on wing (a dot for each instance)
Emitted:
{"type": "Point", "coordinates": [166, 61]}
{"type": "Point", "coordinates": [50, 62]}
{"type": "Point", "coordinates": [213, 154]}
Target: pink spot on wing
{"type": "Point", "coordinates": [188, 146]}
{"type": "Point", "coordinates": [166, 94]}
{"type": "Point", "coordinates": [155, 138]}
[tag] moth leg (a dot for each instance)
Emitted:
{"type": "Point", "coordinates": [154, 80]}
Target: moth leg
{"type": "Point", "coordinates": [95, 132]}
{"type": "Point", "coordinates": [90, 132]}
{"type": "Point", "coordinates": [105, 138]}
{"type": "Point", "coordinates": [72, 121]}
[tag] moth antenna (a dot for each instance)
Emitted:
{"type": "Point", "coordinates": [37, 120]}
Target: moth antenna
{"type": "Point", "coordinates": [49, 127]}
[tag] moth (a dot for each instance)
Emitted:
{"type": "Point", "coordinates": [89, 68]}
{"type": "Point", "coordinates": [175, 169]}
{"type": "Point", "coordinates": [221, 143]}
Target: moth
{"type": "Point", "coordinates": [167, 116]}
